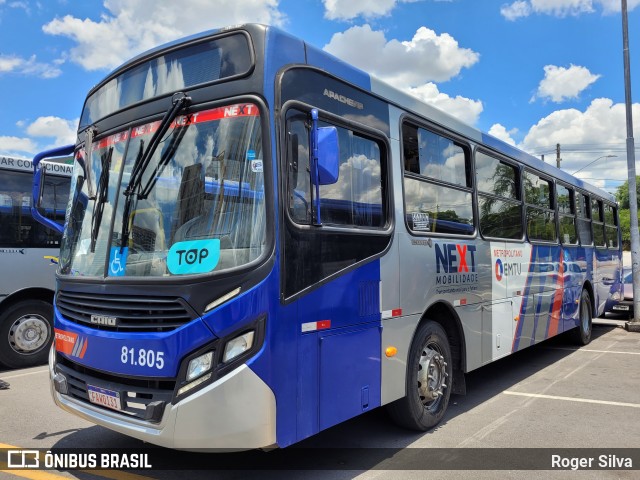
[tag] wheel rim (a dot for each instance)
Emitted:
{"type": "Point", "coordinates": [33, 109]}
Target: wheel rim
{"type": "Point", "coordinates": [29, 334]}
{"type": "Point", "coordinates": [432, 375]}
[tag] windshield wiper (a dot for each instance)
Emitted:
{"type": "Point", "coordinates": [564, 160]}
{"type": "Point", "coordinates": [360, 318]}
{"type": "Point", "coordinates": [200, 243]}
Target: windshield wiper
{"type": "Point", "coordinates": [179, 101]}
{"type": "Point", "coordinates": [98, 206]}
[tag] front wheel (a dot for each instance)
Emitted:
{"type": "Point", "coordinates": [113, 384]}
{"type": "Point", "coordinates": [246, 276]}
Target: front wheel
{"type": "Point", "coordinates": [26, 333]}
{"type": "Point", "coordinates": [582, 334]}
{"type": "Point", "coordinates": [429, 377]}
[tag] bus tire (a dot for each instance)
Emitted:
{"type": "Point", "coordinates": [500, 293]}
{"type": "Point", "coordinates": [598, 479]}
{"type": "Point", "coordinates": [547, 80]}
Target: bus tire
{"type": "Point", "coordinates": [26, 330]}
{"type": "Point", "coordinates": [582, 333]}
{"type": "Point", "coordinates": [429, 377]}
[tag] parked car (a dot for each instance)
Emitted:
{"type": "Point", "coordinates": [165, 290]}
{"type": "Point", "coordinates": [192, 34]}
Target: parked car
{"type": "Point", "coordinates": [624, 305]}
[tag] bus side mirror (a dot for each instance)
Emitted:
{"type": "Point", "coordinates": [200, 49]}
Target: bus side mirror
{"type": "Point", "coordinates": [325, 159]}
{"type": "Point", "coordinates": [38, 184]}
{"type": "Point", "coordinates": [325, 152]}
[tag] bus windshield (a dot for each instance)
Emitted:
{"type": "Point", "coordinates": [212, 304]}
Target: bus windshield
{"type": "Point", "coordinates": [196, 207]}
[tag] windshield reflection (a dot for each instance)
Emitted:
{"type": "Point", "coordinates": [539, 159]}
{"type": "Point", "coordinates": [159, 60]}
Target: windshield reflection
{"type": "Point", "coordinates": [203, 191]}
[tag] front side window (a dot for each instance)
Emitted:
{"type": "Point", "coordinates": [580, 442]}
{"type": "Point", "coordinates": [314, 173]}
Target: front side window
{"type": "Point", "coordinates": [353, 210]}
{"type": "Point", "coordinates": [197, 207]}
{"type": "Point", "coordinates": [356, 199]}
{"type": "Point", "coordinates": [18, 229]}
{"type": "Point", "coordinates": [498, 198]}
{"type": "Point", "coordinates": [437, 183]}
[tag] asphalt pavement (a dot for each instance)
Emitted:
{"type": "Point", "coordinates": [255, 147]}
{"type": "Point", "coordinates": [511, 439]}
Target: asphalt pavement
{"type": "Point", "coordinates": [547, 398]}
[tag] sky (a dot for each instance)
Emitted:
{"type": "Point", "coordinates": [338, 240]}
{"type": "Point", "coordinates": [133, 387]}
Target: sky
{"type": "Point", "coordinates": [533, 73]}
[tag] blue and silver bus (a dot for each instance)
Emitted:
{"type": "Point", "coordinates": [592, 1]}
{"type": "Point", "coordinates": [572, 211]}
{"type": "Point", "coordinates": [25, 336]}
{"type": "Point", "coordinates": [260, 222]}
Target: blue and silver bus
{"type": "Point", "coordinates": [28, 253]}
{"type": "Point", "coordinates": [263, 241]}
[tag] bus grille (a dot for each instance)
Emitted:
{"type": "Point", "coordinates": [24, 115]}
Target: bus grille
{"type": "Point", "coordinates": [144, 399]}
{"type": "Point", "coordinates": [127, 312]}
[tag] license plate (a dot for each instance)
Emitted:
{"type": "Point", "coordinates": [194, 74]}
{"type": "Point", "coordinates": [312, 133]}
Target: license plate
{"type": "Point", "coordinates": [106, 398]}
{"type": "Point", "coordinates": [621, 307]}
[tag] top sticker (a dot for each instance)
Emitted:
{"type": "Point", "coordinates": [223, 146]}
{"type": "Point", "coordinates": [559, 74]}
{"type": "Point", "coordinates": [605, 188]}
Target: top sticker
{"type": "Point", "coordinates": [194, 256]}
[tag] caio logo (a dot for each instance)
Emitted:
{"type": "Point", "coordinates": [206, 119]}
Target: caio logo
{"type": "Point", "coordinates": [195, 256]}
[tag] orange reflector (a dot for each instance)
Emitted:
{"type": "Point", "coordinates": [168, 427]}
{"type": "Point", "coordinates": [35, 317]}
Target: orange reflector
{"type": "Point", "coordinates": [390, 351]}
{"type": "Point", "coordinates": [516, 319]}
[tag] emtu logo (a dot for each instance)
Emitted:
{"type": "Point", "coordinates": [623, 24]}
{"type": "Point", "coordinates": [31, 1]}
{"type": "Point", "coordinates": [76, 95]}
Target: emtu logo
{"type": "Point", "coordinates": [455, 258]}
{"type": "Point", "coordinates": [508, 269]}
{"type": "Point", "coordinates": [499, 270]}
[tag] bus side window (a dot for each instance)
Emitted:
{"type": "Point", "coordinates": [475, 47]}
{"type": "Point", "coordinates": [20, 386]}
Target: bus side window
{"type": "Point", "coordinates": [356, 199]}
{"type": "Point", "coordinates": [597, 219]}
{"type": "Point", "coordinates": [499, 202]}
{"type": "Point", "coordinates": [566, 213]}
{"type": "Point", "coordinates": [584, 220]}
{"type": "Point", "coordinates": [299, 187]}
{"type": "Point", "coordinates": [541, 216]}
{"type": "Point", "coordinates": [611, 226]}
{"type": "Point", "coordinates": [437, 183]}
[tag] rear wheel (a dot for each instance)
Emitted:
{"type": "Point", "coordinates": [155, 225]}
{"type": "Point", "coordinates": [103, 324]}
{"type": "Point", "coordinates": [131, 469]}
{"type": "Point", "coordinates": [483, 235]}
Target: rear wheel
{"type": "Point", "coordinates": [582, 334]}
{"type": "Point", "coordinates": [26, 333]}
{"type": "Point", "coordinates": [429, 377]}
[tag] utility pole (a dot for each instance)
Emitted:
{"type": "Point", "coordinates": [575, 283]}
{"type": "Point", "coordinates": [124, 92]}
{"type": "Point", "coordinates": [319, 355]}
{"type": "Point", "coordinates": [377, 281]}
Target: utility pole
{"type": "Point", "coordinates": [634, 325]}
{"type": "Point", "coordinates": [558, 159]}
{"type": "Point", "coordinates": [542, 156]}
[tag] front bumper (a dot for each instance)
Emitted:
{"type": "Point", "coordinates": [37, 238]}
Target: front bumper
{"type": "Point", "coordinates": [624, 306]}
{"type": "Point", "coordinates": [236, 412]}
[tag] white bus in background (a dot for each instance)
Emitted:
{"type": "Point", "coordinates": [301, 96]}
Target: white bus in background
{"type": "Point", "coordinates": [28, 258]}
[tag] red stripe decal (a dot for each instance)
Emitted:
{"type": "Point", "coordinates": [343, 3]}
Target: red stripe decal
{"type": "Point", "coordinates": [231, 111]}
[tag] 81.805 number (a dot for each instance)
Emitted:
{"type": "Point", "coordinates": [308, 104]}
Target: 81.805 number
{"type": "Point", "coordinates": [142, 357]}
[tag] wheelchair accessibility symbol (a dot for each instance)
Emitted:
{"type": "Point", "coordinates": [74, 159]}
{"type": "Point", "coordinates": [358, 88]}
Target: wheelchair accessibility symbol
{"type": "Point", "coordinates": [118, 261]}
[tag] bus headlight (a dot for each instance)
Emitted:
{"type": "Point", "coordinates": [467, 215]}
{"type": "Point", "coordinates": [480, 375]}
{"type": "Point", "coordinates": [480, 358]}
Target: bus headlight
{"type": "Point", "coordinates": [216, 359]}
{"type": "Point", "coordinates": [199, 366]}
{"type": "Point", "coordinates": [198, 372]}
{"type": "Point", "coordinates": [237, 346]}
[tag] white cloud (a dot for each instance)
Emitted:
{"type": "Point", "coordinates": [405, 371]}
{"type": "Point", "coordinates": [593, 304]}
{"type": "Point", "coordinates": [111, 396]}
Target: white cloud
{"type": "Point", "coordinates": [27, 66]}
{"type": "Point", "coordinates": [426, 57]}
{"type": "Point", "coordinates": [22, 5]}
{"type": "Point", "coordinates": [560, 83]}
{"type": "Point", "coordinates": [42, 134]}
{"type": "Point", "coordinates": [602, 122]}
{"type": "Point", "coordinates": [12, 145]}
{"type": "Point", "coordinates": [501, 133]}
{"type": "Point", "coordinates": [63, 131]}
{"type": "Point", "coordinates": [584, 137]}
{"type": "Point", "coordinates": [349, 9]}
{"type": "Point", "coordinates": [613, 6]}
{"type": "Point", "coordinates": [130, 26]}
{"type": "Point", "coordinates": [464, 109]}
{"type": "Point", "coordinates": [518, 9]}
{"type": "Point", "coordinates": [561, 8]}
{"type": "Point", "coordinates": [411, 65]}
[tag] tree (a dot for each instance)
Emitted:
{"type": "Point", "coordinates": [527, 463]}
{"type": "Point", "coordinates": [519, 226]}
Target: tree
{"type": "Point", "coordinates": [622, 194]}
{"type": "Point", "coordinates": [624, 216]}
